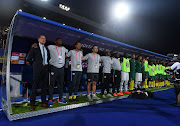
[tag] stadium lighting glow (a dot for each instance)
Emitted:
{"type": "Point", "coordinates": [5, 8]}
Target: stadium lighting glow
{"type": "Point", "coordinates": [44, 0]}
{"type": "Point", "coordinates": [63, 7]}
{"type": "Point", "coordinates": [121, 10]}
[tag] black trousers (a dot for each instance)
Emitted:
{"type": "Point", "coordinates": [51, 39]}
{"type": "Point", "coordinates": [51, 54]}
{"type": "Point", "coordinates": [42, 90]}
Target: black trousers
{"type": "Point", "coordinates": [116, 80]}
{"type": "Point", "coordinates": [76, 80]}
{"type": "Point", "coordinates": [40, 76]}
{"type": "Point", "coordinates": [106, 79]}
{"type": "Point", "coordinates": [57, 75]}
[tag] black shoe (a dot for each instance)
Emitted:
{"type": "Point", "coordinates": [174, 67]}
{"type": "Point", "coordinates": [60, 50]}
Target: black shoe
{"type": "Point", "coordinates": [178, 104]}
{"type": "Point", "coordinates": [75, 100]}
{"type": "Point", "coordinates": [70, 100]}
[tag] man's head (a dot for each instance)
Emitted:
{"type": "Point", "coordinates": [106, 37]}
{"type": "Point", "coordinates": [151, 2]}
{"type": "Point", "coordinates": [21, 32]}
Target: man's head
{"type": "Point", "coordinates": [95, 49]}
{"type": "Point", "coordinates": [126, 55]}
{"type": "Point", "coordinates": [139, 58]}
{"type": "Point", "coordinates": [143, 60]}
{"type": "Point", "coordinates": [151, 62]}
{"type": "Point", "coordinates": [78, 45]}
{"type": "Point", "coordinates": [133, 56]}
{"type": "Point", "coordinates": [42, 39]}
{"type": "Point", "coordinates": [146, 57]}
{"type": "Point", "coordinates": [58, 42]}
{"type": "Point", "coordinates": [116, 55]}
{"type": "Point", "coordinates": [108, 53]}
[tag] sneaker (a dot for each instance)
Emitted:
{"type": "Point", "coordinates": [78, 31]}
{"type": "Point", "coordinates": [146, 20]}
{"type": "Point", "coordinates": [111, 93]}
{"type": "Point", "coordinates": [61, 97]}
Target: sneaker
{"type": "Point", "coordinates": [95, 97]}
{"type": "Point", "coordinates": [70, 100]}
{"type": "Point", "coordinates": [115, 94]}
{"type": "Point", "coordinates": [89, 98]}
{"type": "Point", "coordinates": [109, 95]}
{"type": "Point", "coordinates": [50, 103]}
{"type": "Point", "coordinates": [120, 93]}
{"type": "Point", "coordinates": [75, 100]}
{"type": "Point", "coordinates": [127, 92]}
{"type": "Point", "coordinates": [62, 101]}
{"type": "Point", "coordinates": [103, 96]}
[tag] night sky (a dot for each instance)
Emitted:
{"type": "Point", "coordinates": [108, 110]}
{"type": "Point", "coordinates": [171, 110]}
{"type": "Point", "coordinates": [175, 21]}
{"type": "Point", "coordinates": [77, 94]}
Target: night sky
{"type": "Point", "coordinates": [152, 24]}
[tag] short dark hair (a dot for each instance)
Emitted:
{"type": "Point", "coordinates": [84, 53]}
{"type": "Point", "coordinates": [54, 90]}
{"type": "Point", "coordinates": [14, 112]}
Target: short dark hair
{"type": "Point", "coordinates": [146, 56]}
{"type": "Point", "coordinates": [57, 39]}
{"type": "Point", "coordinates": [77, 43]}
{"type": "Point", "coordinates": [94, 46]}
{"type": "Point", "coordinates": [40, 36]}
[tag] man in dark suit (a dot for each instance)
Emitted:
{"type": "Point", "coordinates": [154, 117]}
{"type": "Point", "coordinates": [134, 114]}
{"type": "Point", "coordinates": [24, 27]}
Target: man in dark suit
{"type": "Point", "coordinates": [38, 58]}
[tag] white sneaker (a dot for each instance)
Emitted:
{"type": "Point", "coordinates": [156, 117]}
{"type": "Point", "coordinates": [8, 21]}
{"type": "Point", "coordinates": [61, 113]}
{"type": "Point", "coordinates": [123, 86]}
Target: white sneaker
{"type": "Point", "coordinates": [95, 97]}
{"type": "Point", "coordinates": [89, 98]}
{"type": "Point", "coordinates": [103, 96]}
{"type": "Point", "coordinates": [109, 95]}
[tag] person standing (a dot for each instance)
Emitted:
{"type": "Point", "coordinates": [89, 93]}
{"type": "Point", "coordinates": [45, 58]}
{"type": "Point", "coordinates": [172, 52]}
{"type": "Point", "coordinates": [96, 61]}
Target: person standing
{"type": "Point", "coordinates": [57, 62]}
{"type": "Point", "coordinates": [76, 70]}
{"type": "Point", "coordinates": [106, 74]}
{"type": "Point", "coordinates": [125, 67]}
{"type": "Point", "coordinates": [38, 58]}
{"type": "Point", "coordinates": [146, 73]}
{"type": "Point", "coordinates": [132, 71]}
{"type": "Point", "coordinates": [92, 72]}
{"type": "Point", "coordinates": [116, 66]}
{"type": "Point", "coordinates": [138, 72]}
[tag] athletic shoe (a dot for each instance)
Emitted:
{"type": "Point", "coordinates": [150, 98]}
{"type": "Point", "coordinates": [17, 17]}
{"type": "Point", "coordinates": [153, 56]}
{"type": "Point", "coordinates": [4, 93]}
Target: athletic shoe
{"type": "Point", "coordinates": [50, 103]}
{"type": "Point", "coordinates": [109, 95]}
{"type": "Point", "coordinates": [75, 100]}
{"type": "Point", "coordinates": [95, 97]}
{"type": "Point", "coordinates": [62, 101]}
{"type": "Point", "coordinates": [103, 96]}
{"type": "Point", "coordinates": [127, 92]}
{"type": "Point", "coordinates": [70, 100]}
{"type": "Point", "coordinates": [89, 98]}
{"type": "Point", "coordinates": [120, 93]}
{"type": "Point", "coordinates": [115, 94]}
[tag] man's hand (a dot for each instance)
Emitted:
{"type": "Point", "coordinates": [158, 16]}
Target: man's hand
{"type": "Point", "coordinates": [34, 45]}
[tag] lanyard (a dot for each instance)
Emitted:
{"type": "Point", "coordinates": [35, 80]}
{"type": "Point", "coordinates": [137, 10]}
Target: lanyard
{"type": "Point", "coordinates": [95, 58]}
{"type": "Point", "coordinates": [77, 56]}
{"type": "Point", "coordinates": [58, 51]}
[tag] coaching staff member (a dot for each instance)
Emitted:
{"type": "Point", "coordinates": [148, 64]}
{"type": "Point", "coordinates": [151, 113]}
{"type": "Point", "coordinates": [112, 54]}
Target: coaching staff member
{"type": "Point", "coordinates": [38, 58]}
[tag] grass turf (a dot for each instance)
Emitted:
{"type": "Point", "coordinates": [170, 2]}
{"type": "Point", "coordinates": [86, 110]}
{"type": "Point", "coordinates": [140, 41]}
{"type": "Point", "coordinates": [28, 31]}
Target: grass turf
{"type": "Point", "coordinates": [19, 108]}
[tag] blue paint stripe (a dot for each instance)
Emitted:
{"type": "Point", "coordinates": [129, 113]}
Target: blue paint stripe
{"type": "Point", "coordinates": [83, 32]}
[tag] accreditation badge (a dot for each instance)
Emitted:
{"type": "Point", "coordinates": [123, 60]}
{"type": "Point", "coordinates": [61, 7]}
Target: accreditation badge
{"type": "Point", "coordinates": [78, 64]}
{"type": "Point", "coordinates": [96, 65]}
{"type": "Point", "coordinates": [60, 59]}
